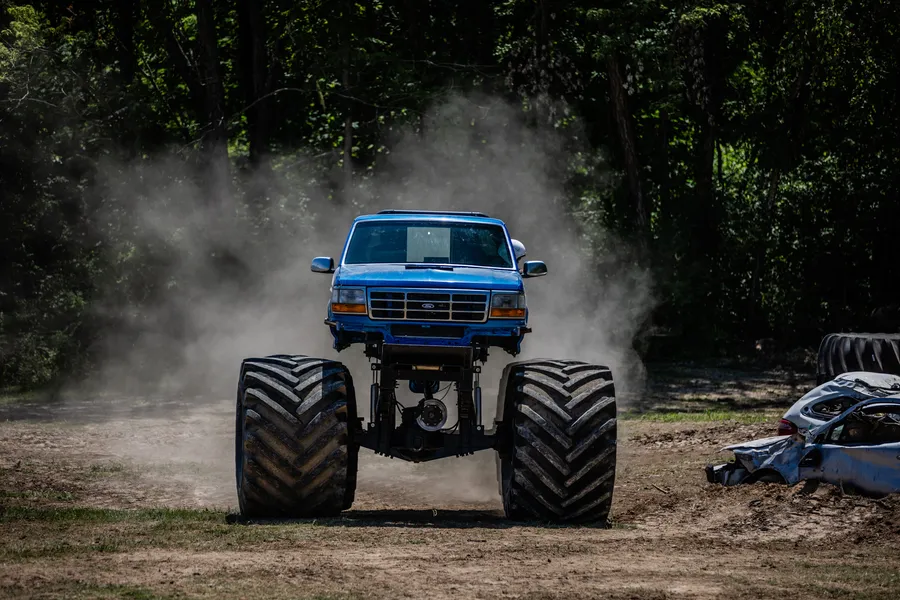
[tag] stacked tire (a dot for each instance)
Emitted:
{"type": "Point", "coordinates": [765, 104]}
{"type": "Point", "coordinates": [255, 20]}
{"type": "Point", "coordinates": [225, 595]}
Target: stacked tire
{"type": "Point", "coordinates": [294, 453]}
{"type": "Point", "coordinates": [557, 462]}
{"type": "Point", "coordinates": [847, 352]}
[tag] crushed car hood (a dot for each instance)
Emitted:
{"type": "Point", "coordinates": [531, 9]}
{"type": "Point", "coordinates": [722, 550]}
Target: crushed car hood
{"type": "Point", "coordinates": [880, 380]}
{"type": "Point", "coordinates": [780, 453]}
{"type": "Point", "coordinates": [756, 444]}
{"type": "Point", "coordinates": [860, 384]}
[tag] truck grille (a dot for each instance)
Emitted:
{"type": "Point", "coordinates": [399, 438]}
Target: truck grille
{"type": "Point", "coordinates": [462, 306]}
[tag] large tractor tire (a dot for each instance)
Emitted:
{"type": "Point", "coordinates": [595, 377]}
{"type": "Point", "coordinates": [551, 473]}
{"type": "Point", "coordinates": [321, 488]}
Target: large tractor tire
{"type": "Point", "coordinates": [294, 452]}
{"type": "Point", "coordinates": [559, 461]}
{"type": "Point", "coordinates": [846, 352]}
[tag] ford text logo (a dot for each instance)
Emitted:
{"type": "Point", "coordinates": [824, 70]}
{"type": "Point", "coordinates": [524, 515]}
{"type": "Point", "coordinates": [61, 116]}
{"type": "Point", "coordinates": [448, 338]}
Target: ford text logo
{"type": "Point", "coordinates": [428, 305]}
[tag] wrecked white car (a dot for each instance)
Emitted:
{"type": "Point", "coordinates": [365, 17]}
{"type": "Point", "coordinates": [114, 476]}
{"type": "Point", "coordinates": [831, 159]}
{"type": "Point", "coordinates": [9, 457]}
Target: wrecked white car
{"type": "Point", "coordinates": [858, 450]}
{"type": "Point", "coordinates": [826, 401]}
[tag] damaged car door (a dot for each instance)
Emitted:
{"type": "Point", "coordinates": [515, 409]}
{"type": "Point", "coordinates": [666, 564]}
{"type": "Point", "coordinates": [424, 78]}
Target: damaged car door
{"type": "Point", "coordinates": [859, 451]}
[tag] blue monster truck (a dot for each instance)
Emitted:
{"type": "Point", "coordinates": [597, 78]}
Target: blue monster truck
{"type": "Point", "coordinates": [427, 294]}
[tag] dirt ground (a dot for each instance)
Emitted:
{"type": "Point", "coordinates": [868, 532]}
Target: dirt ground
{"type": "Point", "coordinates": [105, 498]}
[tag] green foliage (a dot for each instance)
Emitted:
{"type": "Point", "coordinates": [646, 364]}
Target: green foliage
{"type": "Point", "coordinates": [765, 143]}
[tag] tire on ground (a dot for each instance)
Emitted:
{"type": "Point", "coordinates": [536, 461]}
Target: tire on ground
{"type": "Point", "coordinates": [846, 352]}
{"type": "Point", "coordinates": [294, 453]}
{"type": "Point", "coordinates": [559, 463]}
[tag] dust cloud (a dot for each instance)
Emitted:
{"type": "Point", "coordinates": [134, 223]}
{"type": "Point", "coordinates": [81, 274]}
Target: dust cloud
{"type": "Point", "coordinates": [171, 363]}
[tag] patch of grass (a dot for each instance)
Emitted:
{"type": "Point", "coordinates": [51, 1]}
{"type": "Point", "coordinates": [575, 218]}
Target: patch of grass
{"type": "Point", "coordinates": [54, 495]}
{"type": "Point", "coordinates": [102, 515]}
{"type": "Point", "coordinates": [60, 548]}
{"type": "Point", "coordinates": [27, 533]}
{"type": "Point", "coordinates": [852, 581]}
{"type": "Point", "coordinates": [109, 468]}
{"type": "Point", "coordinates": [703, 416]}
{"type": "Point", "coordinates": [13, 395]}
{"type": "Point", "coordinates": [623, 525]}
{"type": "Point", "coordinates": [76, 531]}
{"type": "Point", "coordinates": [81, 589]}
{"type": "Point", "coordinates": [829, 580]}
{"type": "Point", "coordinates": [131, 592]}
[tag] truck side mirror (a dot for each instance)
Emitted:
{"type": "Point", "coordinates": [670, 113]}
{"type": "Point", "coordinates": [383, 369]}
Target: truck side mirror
{"type": "Point", "coordinates": [322, 264]}
{"type": "Point", "coordinates": [518, 249]}
{"type": "Point", "coordinates": [534, 268]}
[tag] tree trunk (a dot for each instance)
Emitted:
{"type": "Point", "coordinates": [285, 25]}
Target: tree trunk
{"type": "Point", "coordinates": [348, 139]}
{"type": "Point", "coordinates": [476, 18]}
{"type": "Point", "coordinates": [214, 143]}
{"type": "Point", "coordinates": [257, 70]}
{"type": "Point", "coordinates": [628, 145]}
{"type": "Point", "coordinates": [413, 30]}
{"type": "Point", "coordinates": [199, 70]}
{"type": "Point", "coordinates": [542, 27]}
{"type": "Point", "coordinates": [762, 245]}
{"type": "Point", "coordinates": [255, 77]}
{"type": "Point", "coordinates": [125, 20]}
{"type": "Point", "coordinates": [884, 251]}
{"type": "Point", "coordinates": [706, 45]}
{"type": "Point", "coordinates": [665, 195]}
{"type": "Point", "coordinates": [226, 265]}
{"type": "Point", "coordinates": [719, 165]}
{"type": "Point", "coordinates": [706, 215]}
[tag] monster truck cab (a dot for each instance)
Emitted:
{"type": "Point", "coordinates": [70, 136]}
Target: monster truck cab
{"type": "Point", "coordinates": [429, 279]}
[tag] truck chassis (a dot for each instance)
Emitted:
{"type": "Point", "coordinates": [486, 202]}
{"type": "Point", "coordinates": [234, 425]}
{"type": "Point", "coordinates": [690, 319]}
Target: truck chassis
{"type": "Point", "coordinates": [423, 366]}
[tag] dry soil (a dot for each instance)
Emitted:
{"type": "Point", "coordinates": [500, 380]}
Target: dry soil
{"type": "Point", "coordinates": [108, 497]}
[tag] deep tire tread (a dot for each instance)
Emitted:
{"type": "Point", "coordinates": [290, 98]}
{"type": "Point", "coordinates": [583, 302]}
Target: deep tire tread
{"type": "Point", "coordinates": [561, 462]}
{"type": "Point", "coordinates": [846, 352]}
{"type": "Point", "coordinates": [295, 456]}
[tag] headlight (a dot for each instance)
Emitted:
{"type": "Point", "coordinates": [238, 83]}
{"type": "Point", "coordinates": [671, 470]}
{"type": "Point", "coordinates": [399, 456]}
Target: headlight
{"type": "Point", "coordinates": [348, 300]}
{"type": "Point", "coordinates": [508, 306]}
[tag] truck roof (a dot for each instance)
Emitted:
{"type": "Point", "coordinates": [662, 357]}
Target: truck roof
{"type": "Point", "coordinates": [430, 215]}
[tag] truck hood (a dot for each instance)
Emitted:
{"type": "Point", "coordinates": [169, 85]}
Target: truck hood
{"type": "Point", "coordinates": [482, 278]}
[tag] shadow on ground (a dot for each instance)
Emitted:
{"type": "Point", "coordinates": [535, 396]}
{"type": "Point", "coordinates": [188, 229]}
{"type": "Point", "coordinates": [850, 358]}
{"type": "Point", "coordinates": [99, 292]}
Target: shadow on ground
{"type": "Point", "coordinates": [411, 518]}
{"type": "Point", "coordinates": [698, 389]}
{"type": "Point", "coordinates": [668, 387]}
{"type": "Point", "coordinates": [81, 410]}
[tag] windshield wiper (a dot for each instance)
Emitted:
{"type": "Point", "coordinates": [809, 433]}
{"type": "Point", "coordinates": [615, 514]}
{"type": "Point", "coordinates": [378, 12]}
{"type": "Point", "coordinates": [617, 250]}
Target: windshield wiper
{"type": "Point", "coordinates": [441, 267]}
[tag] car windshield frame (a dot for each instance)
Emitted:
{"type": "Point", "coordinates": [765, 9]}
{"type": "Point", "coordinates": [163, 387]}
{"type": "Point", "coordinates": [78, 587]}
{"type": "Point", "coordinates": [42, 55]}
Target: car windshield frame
{"type": "Point", "coordinates": [510, 264]}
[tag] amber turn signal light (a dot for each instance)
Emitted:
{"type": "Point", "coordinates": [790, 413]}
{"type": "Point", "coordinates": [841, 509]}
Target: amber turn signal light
{"type": "Point", "coordinates": [358, 309]}
{"type": "Point", "coordinates": [508, 312]}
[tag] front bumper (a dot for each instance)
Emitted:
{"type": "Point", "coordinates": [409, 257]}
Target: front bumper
{"type": "Point", "coordinates": [360, 329]}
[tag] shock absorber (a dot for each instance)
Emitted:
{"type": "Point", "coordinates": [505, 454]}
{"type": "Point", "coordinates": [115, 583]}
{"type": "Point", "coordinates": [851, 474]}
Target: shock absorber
{"type": "Point", "coordinates": [373, 395]}
{"type": "Point", "coordinates": [478, 396]}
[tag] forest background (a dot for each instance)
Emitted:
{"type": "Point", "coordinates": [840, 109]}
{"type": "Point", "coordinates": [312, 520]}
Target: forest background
{"type": "Point", "coordinates": [743, 155]}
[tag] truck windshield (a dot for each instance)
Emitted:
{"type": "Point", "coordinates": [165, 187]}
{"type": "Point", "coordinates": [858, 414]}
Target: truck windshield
{"type": "Point", "coordinates": [432, 243]}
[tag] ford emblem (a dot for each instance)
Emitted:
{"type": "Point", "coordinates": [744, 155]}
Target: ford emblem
{"type": "Point", "coordinates": [428, 305]}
